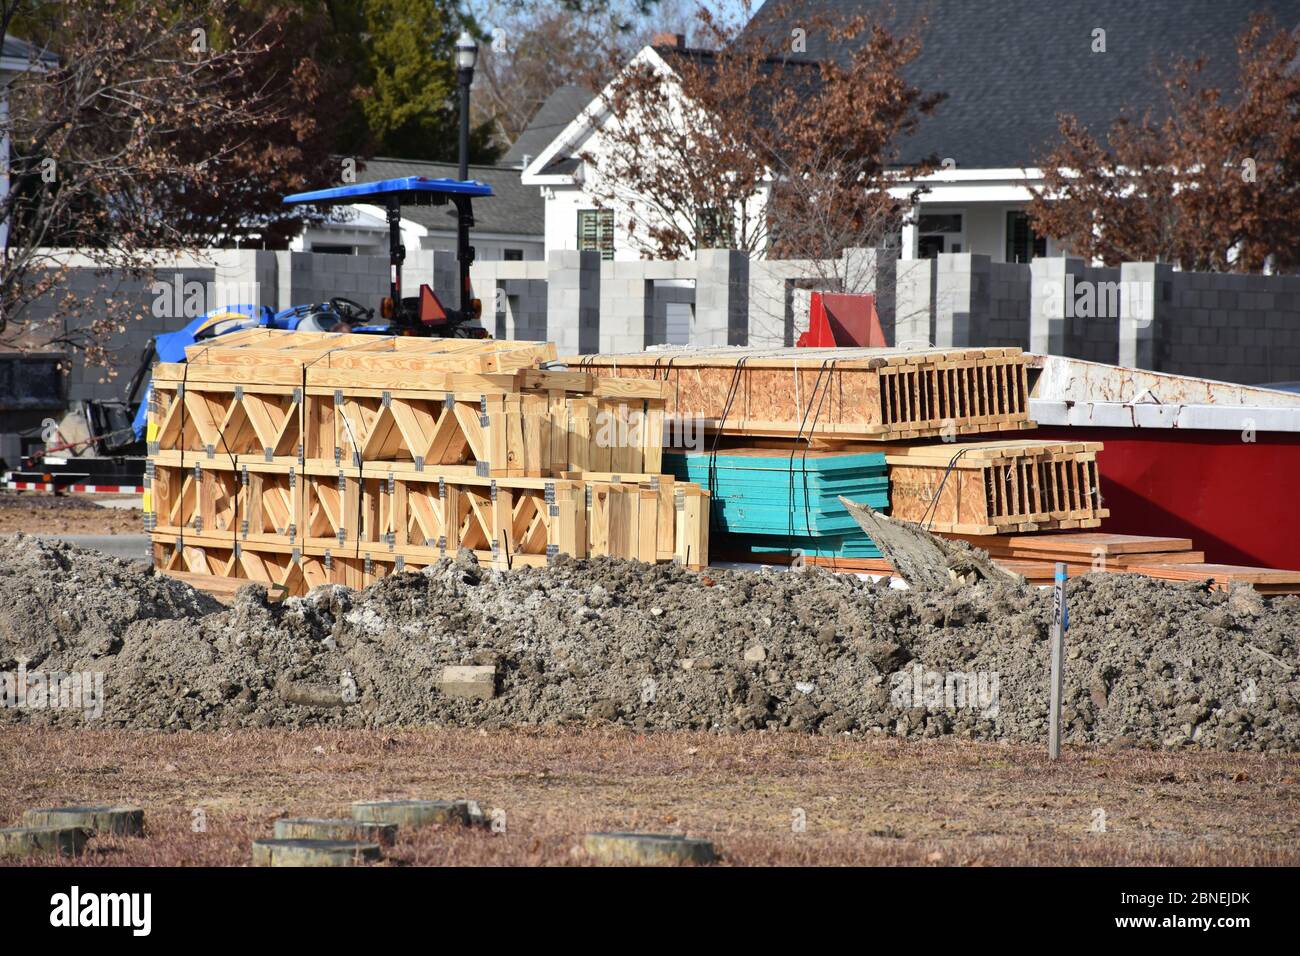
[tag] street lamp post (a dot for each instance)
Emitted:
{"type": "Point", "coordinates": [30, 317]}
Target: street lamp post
{"type": "Point", "coordinates": [466, 57]}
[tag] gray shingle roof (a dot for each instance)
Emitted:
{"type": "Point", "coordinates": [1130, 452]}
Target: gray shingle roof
{"type": "Point", "coordinates": [20, 49]}
{"type": "Point", "coordinates": [514, 209]}
{"type": "Point", "coordinates": [548, 122]}
{"type": "Point", "coordinates": [1010, 66]}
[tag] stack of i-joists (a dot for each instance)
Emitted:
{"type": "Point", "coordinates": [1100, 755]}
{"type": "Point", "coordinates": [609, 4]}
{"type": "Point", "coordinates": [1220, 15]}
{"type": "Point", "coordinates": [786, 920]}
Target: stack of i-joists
{"type": "Point", "coordinates": [295, 459]}
{"type": "Point", "coordinates": [939, 418]}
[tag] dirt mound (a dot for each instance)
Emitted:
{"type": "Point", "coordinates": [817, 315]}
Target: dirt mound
{"type": "Point", "coordinates": [1149, 663]}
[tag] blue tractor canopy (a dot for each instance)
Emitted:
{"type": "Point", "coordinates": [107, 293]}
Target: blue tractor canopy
{"type": "Point", "coordinates": [393, 194]}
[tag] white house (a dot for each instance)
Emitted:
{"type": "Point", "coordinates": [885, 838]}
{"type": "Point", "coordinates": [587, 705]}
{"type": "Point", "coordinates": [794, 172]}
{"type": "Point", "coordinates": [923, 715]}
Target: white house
{"type": "Point", "coordinates": [1008, 68]}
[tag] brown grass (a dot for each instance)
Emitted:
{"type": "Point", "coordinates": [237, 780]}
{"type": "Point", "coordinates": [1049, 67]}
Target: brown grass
{"type": "Point", "coordinates": [866, 801]}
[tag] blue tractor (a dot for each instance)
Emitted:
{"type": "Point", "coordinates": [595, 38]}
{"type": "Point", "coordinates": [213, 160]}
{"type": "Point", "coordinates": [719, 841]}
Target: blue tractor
{"type": "Point", "coordinates": [106, 447]}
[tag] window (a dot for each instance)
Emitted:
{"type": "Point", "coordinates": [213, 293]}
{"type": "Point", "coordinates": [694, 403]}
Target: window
{"type": "Point", "coordinates": [1022, 244]}
{"type": "Point", "coordinates": [712, 229]}
{"type": "Point", "coordinates": [513, 255]}
{"type": "Point", "coordinates": [939, 232]}
{"type": "Point", "coordinates": [596, 231]}
{"type": "Point", "coordinates": [333, 249]}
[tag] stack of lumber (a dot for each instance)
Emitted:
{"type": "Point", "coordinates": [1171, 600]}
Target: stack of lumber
{"type": "Point", "coordinates": [843, 393]}
{"type": "Point", "coordinates": [996, 487]}
{"type": "Point", "coordinates": [771, 500]}
{"type": "Point", "coordinates": [920, 409]}
{"type": "Point", "coordinates": [297, 459]}
{"type": "Point", "coordinates": [1169, 559]}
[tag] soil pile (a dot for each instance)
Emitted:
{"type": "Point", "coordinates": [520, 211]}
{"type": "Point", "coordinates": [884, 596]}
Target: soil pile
{"type": "Point", "coordinates": [1148, 662]}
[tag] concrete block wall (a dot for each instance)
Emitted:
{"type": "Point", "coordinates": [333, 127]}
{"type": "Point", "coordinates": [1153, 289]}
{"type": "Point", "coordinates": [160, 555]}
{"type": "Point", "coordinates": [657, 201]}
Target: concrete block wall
{"type": "Point", "coordinates": [319, 277]}
{"type": "Point", "coordinates": [1008, 304]}
{"type": "Point", "coordinates": [573, 301]}
{"type": "Point", "coordinates": [1240, 328]}
{"type": "Point", "coordinates": [721, 298]}
{"type": "Point", "coordinates": [673, 313]}
{"type": "Point", "coordinates": [1075, 309]}
{"type": "Point", "coordinates": [914, 293]}
{"type": "Point", "coordinates": [1098, 329]}
{"type": "Point", "coordinates": [961, 300]}
{"type": "Point", "coordinates": [775, 318]}
{"type": "Point", "coordinates": [513, 296]}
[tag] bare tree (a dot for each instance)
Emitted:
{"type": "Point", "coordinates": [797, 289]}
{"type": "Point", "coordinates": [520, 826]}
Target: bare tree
{"type": "Point", "coordinates": [1214, 186]}
{"type": "Point", "coordinates": [749, 145]}
{"type": "Point", "coordinates": [95, 130]}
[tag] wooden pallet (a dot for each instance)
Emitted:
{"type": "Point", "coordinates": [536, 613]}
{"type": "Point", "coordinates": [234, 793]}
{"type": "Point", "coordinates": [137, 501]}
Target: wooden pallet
{"type": "Point", "coordinates": [845, 394]}
{"type": "Point", "coordinates": [299, 459]}
{"type": "Point", "coordinates": [996, 487]}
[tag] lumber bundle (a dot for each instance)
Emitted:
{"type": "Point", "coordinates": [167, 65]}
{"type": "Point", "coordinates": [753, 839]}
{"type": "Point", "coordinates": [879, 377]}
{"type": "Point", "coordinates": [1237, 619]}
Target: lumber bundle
{"type": "Point", "coordinates": [766, 499]}
{"type": "Point", "coordinates": [299, 459]}
{"type": "Point", "coordinates": [1164, 558]}
{"type": "Point", "coordinates": [839, 394]}
{"type": "Point", "coordinates": [996, 487]}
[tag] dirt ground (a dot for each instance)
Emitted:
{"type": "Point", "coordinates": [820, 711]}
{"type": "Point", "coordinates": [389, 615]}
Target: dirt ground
{"type": "Point", "coordinates": [34, 513]}
{"type": "Point", "coordinates": [863, 801]}
{"type": "Point", "coordinates": [607, 642]}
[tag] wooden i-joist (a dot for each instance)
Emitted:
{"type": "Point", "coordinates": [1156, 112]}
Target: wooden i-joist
{"type": "Point", "coordinates": [850, 394]}
{"type": "Point", "coordinates": [299, 459]}
{"type": "Point", "coordinates": [996, 487]}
